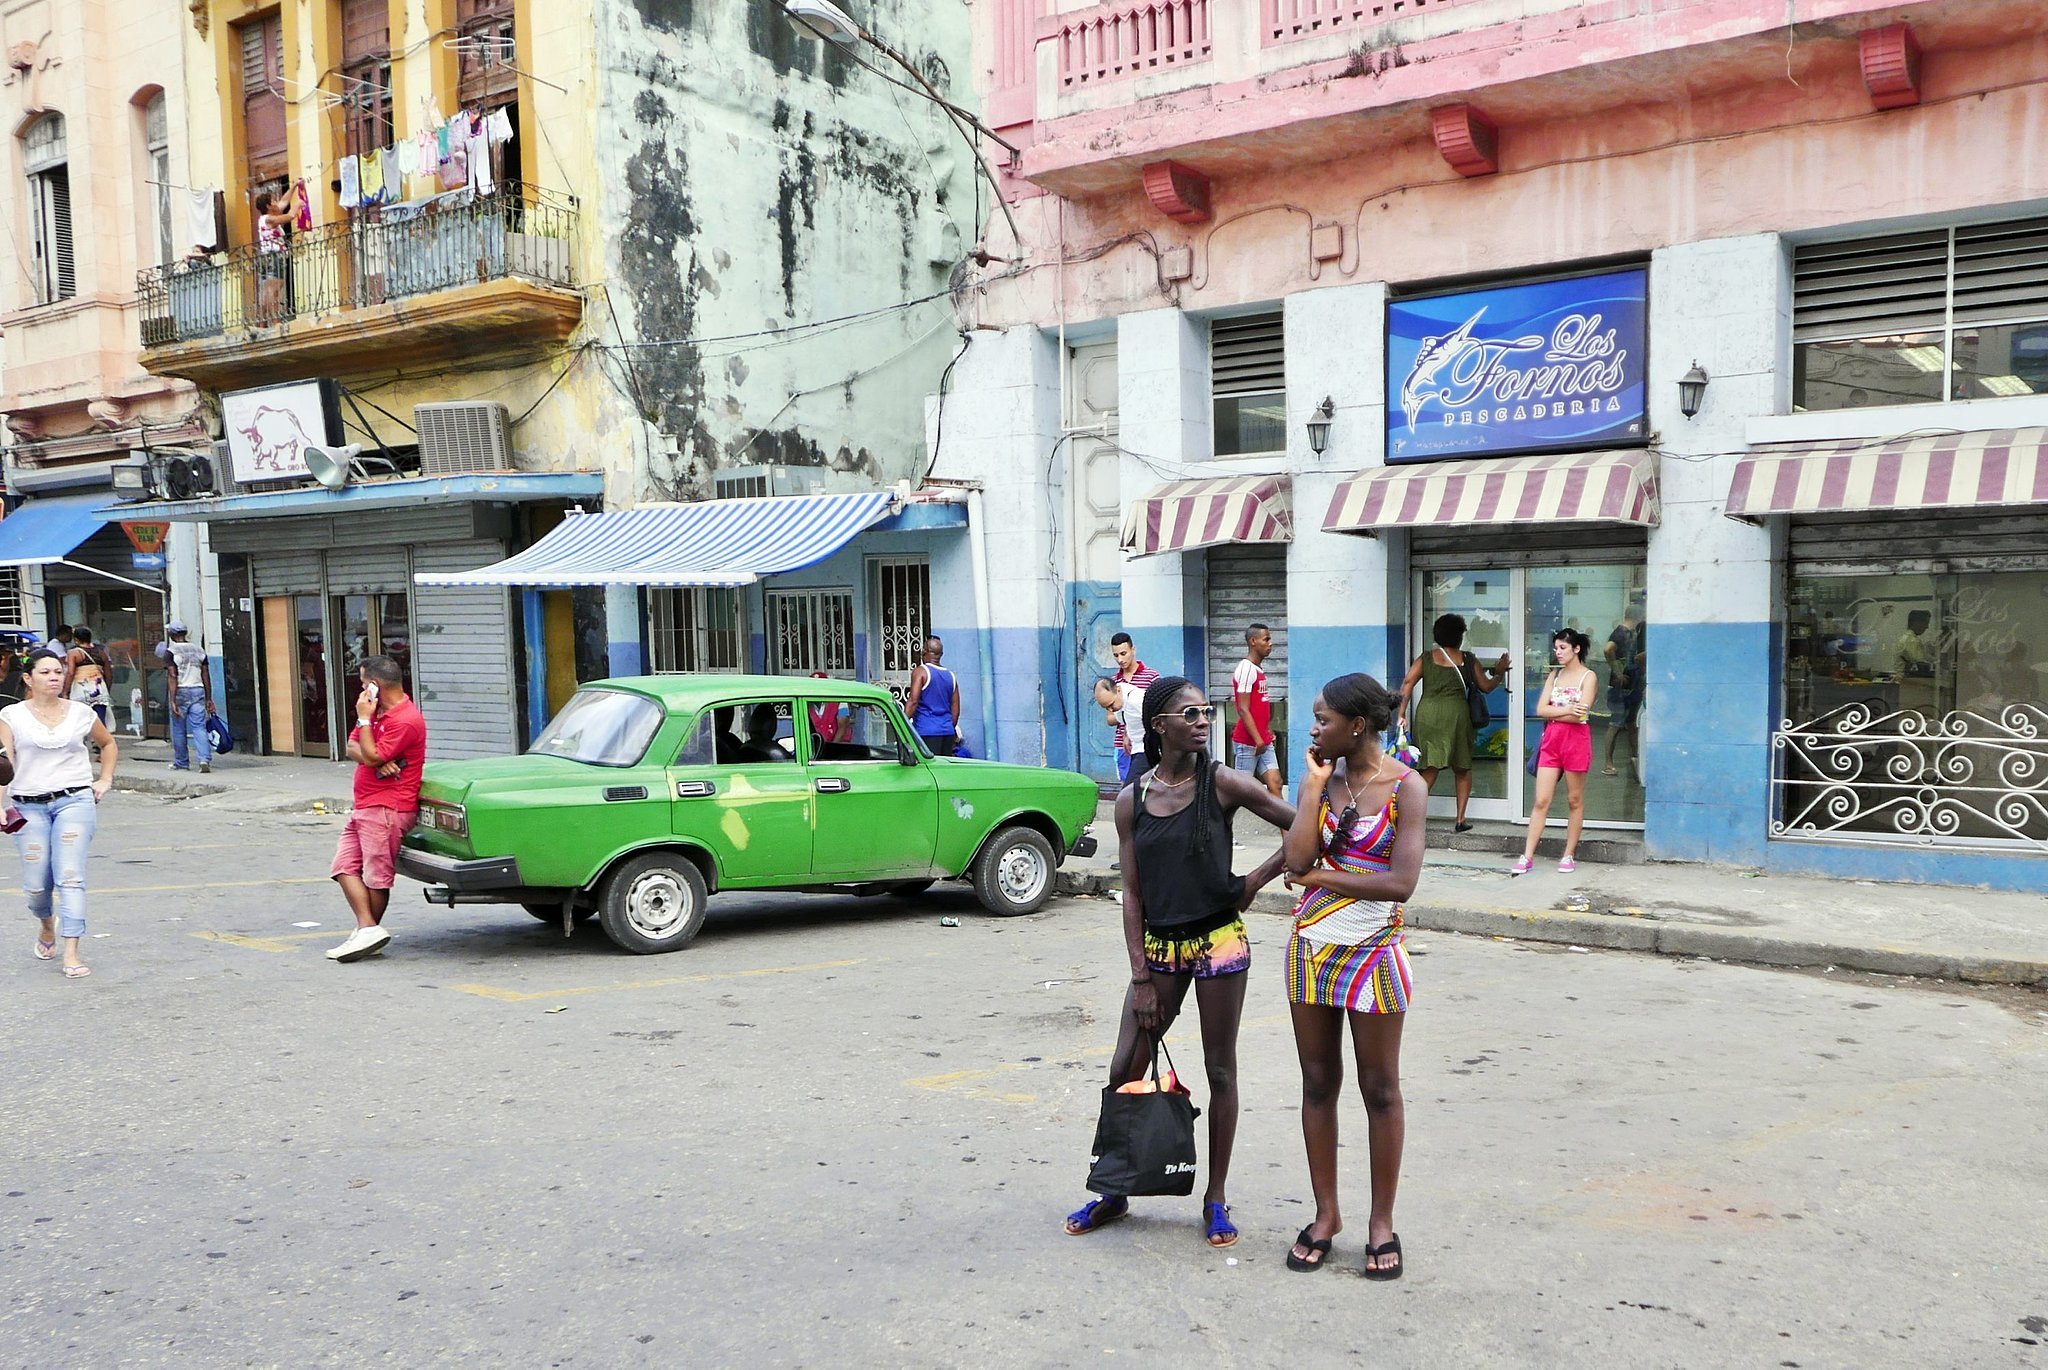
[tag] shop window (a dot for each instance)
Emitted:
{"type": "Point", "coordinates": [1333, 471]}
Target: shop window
{"type": "Point", "coordinates": [695, 630]}
{"type": "Point", "coordinates": [1248, 385]}
{"type": "Point", "coordinates": [1957, 313]}
{"type": "Point", "coordinates": [1915, 709]}
{"type": "Point", "coordinates": [44, 156]}
{"type": "Point", "coordinates": [13, 606]}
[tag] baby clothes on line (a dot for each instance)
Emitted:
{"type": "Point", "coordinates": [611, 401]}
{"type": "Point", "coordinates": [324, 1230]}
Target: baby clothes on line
{"type": "Point", "coordinates": [373, 177]}
{"type": "Point", "coordinates": [498, 126]}
{"type": "Point", "coordinates": [351, 183]}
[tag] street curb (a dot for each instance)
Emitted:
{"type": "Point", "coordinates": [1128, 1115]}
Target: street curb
{"type": "Point", "coordinates": [258, 800]}
{"type": "Point", "coordinates": [1662, 938]}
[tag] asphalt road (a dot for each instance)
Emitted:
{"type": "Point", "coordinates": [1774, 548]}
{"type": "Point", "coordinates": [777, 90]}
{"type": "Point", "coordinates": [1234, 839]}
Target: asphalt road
{"type": "Point", "coordinates": [834, 1132]}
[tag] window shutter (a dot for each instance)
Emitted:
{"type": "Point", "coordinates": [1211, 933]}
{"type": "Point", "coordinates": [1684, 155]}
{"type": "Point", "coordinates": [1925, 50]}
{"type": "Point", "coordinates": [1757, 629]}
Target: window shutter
{"type": "Point", "coordinates": [1870, 287]}
{"type": "Point", "coordinates": [2002, 272]}
{"type": "Point", "coordinates": [58, 180]}
{"type": "Point", "coordinates": [1246, 356]}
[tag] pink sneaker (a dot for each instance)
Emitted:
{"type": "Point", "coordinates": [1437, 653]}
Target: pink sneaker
{"type": "Point", "coordinates": [1521, 867]}
{"type": "Point", "coordinates": [1567, 866]}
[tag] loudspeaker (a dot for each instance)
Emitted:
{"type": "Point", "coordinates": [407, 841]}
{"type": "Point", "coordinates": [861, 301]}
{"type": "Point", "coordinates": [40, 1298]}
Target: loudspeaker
{"type": "Point", "coordinates": [331, 466]}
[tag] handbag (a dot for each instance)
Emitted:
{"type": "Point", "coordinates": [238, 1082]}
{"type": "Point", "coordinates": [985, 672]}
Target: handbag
{"type": "Point", "coordinates": [1403, 748]}
{"type": "Point", "coordinates": [217, 732]}
{"type": "Point", "coordinates": [1145, 1142]}
{"type": "Point", "coordinates": [1475, 698]}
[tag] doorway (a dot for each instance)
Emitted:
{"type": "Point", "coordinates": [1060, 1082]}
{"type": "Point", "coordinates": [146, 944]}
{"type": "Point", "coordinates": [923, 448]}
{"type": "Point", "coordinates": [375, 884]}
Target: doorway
{"type": "Point", "coordinates": [1515, 610]}
{"type": "Point", "coordinates": [238, 684]}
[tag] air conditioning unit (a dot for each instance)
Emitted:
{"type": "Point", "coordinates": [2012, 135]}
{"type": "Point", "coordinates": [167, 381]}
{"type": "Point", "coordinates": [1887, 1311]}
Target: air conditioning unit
{"type": "Point", "coordinates": [463, 436]}
{"type": "Point", "coordinates": [756, 482]}
{"type": "Point", "coordinates": [224, 481]}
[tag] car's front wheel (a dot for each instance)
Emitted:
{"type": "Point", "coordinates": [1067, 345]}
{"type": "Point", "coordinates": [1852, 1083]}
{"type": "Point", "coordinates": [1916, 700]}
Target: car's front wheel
{"type": "Point", "coordinates": [653, 903]}
{"type": "Point", "coordinates": [1014, 873]}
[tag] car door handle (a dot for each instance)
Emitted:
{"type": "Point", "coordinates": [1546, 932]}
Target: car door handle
{"type": "Point", "coordinates": [695, 789]}
{"type": "Point", "coordinates": [832, 784]}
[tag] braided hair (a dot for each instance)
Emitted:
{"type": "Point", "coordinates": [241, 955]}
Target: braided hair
{"type": "Point", "coordinates": [1157, 696]}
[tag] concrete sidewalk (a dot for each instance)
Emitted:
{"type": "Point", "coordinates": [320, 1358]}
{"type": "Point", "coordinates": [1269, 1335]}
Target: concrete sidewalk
{"type": "Point", "coordinates": [238, 783]}
{"type": "Point", "coordinates": [1728, 914]}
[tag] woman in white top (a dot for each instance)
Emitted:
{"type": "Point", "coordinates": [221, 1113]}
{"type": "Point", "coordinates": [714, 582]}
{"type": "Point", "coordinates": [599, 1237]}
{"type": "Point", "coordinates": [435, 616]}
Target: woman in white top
{"type": "Point", "coordinates": [46, 735]}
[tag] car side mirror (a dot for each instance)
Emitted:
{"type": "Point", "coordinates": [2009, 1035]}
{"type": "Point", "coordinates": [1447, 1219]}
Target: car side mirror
{"type": "Point", "coordinates": [906, 755]}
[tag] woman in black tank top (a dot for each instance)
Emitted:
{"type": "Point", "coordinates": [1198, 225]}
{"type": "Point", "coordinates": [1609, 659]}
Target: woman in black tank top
{"type": "Point", "coordinates": [1182, 923]}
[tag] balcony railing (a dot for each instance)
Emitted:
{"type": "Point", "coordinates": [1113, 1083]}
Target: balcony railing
{"type": "Point", "coordinates": [397, 252]}
{"type": "Point", "coordinates": [1128, 38]}
{"type": "Point", "coordinates": [1283, 21]}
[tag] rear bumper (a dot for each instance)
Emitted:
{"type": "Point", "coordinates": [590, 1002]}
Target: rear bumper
{"type": "Point", "coordinates": [486, 873]}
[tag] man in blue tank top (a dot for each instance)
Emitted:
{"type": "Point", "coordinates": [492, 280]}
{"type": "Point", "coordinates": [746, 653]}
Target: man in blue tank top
{"type": "Point", "coordinates": [934, 707]}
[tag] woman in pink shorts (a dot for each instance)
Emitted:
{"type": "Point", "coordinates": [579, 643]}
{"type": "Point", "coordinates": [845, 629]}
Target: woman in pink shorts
{"type": "Point", "coordinates": [1567, 746]}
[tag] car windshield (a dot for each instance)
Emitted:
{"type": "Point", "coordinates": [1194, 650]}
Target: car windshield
{"type": "Point", "coordinates": [602, 727]}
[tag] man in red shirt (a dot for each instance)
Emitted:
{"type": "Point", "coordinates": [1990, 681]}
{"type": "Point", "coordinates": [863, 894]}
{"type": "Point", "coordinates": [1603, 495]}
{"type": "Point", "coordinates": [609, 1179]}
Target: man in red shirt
{"type": "Point", "coordinates": [1252, 735]}
{"type": "Point", "coordinates": [389, 746]}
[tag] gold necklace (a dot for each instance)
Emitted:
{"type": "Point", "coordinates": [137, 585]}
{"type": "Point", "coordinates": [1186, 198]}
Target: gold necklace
{"type": "Point", "coordinates": [1171, 784]}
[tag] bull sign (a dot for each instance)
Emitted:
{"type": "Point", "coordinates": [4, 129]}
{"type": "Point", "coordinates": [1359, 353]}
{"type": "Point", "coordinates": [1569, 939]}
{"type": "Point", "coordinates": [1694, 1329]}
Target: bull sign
{"type": "Point", "coordinates": [269, 429]}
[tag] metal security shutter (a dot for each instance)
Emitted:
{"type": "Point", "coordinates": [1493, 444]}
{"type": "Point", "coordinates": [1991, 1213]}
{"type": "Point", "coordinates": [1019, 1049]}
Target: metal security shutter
{"type": "Point", "coordinates": [368, 570]}
{"type": "Point", "coordinates": [1247, 585]}
{"type": "Point", "coordinates": [1246, 356]}
{"type": "Point", "coordinates": [2001, 272]}
{"type": "Point", "coordinates": [287, 573]}
{"type": "Point", "coordinates": [1872, 544]}
{"type": "Point", "coordinates": [463, 657]}
{"type": "Point", "coordinates": [1870, 286]}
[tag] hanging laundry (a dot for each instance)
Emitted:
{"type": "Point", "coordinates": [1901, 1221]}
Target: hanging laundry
{"type": "Point", "coordinates": [302, 205]}
{"type": "Point", "coordinates": [351, 183]}
{"type": "Point", "coordinates": [498, 125]}
{"type": "Point", "coordinates": [480, 161]}
{"type": "Point", "coordinates": [454, 162]}
{"type": "Point", "coordinates": [199, 219]}
{"type": "Point", "coordinates": [373, 178]}
{"type": "Point", "coordinates": [429, 151]}
{"type": "Point", "coordinates": [408, 158]}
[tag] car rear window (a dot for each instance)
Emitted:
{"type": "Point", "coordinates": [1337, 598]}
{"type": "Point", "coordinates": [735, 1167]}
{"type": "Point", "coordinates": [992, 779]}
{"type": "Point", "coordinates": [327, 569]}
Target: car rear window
{"type": "Point", "coordinates": [602, 727]}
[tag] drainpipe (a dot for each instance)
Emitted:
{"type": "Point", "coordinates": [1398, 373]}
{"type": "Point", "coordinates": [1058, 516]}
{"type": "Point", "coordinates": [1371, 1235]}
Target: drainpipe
{"type": "Point", "coordinates": [977, 543]}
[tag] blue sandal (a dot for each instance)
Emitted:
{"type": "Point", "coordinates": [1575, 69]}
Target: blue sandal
{"type": "Point", "coordinates": [1222, 1232]}
{"type": "Point", "coordinates": [1096, 1213]}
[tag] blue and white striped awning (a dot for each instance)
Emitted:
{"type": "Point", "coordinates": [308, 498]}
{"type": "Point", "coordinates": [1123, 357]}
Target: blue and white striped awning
{"type": "Point", "coordinates": [711, 542]}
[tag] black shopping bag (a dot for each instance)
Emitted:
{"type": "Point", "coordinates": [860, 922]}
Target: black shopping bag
{"type": "Point", "coordinates": [1145, 1143]}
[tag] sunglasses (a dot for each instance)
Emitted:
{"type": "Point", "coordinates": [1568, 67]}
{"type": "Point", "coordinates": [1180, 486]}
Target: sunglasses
{"type": "Point", "coordinates": [1197, 713]}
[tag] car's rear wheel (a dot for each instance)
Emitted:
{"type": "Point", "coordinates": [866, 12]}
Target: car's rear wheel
{"type": "Point", "coordinates": [552, 913]}
{"type": "Point", "coordinates": [653, 903]}
{"type": "Point", "coordinates": [1014, 873]}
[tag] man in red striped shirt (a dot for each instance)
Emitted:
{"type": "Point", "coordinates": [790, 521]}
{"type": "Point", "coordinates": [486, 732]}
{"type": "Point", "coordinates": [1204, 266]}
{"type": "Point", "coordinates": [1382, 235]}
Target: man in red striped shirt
{"type": "Point", "coordinates": [1126, 698]}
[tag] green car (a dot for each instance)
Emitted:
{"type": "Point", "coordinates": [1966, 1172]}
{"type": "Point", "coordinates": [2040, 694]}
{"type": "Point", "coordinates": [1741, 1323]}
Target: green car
{"type": "Point", "coordinates": [647, 795]}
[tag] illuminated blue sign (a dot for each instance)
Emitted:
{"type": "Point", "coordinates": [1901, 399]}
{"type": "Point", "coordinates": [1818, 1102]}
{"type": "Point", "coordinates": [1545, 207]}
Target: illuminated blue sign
{"type": "Point", "coordinates": [1550, 366]}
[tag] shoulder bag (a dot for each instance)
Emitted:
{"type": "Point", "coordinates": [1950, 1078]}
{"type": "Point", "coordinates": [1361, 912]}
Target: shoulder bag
{"type": "Point", "coordinates": [1475, 698]}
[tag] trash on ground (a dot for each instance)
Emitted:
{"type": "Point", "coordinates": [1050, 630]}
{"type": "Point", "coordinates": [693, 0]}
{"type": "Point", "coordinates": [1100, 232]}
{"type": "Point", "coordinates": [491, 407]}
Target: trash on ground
{"type": "Point", "coordinates": [949, 922]}
{"type": "Point", "coordinates": [305, 925]}
{"type": "Point", "coordinates": [559, 1008]}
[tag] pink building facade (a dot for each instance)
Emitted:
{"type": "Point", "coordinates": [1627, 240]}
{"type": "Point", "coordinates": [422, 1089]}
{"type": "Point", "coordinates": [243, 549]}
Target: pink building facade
{"type": "Point", "coordinates": [1716, 331]}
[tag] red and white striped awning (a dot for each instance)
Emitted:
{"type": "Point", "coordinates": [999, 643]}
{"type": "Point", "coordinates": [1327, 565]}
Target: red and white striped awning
{"type": "Point", "coordinates": [1948, 471]}
{"type": "Point", "coordinates": [1186, 514]}
{"type": "Point", "coordinates": [1562, 487]}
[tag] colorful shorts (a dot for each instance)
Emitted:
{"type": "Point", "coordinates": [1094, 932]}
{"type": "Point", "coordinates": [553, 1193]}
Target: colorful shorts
{"type": "Point", "coordinates": [1373, 977]}
{"type": "Point", "coordinates": [1220, 951]}
{"type": "Point", "coordinates": [1566, 746]}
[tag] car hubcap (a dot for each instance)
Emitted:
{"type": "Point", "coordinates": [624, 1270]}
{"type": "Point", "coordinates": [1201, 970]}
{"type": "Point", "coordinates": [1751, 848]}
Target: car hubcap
{"type": "Point", "coordinates": [1020, 875]}
{"type": "Point", "coordinates": [657, 904]}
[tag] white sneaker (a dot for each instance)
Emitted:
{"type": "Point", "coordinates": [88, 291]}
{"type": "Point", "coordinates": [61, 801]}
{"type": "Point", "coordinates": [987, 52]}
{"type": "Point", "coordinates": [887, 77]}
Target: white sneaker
{"type": "Point", "coordinates": [362, 942]}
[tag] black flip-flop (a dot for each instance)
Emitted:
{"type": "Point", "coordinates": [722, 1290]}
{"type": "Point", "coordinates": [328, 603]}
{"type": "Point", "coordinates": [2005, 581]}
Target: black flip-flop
{"type": "Point", "coordinates": [1391, 1246]}
{"type": "Point", "coordinates": [1322, 1247]}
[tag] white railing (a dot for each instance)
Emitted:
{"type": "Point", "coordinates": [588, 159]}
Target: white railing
{"type": "Point", "coordinates": [1964, 779]}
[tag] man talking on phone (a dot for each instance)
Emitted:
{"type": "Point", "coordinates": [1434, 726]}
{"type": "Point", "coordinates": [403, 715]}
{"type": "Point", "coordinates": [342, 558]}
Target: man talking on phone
{"type": "Point", "coordinates": [389, 746]}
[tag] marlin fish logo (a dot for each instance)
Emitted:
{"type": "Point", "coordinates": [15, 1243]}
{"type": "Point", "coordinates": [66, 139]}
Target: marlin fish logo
{"type": "Point", "coordinates": [1439, 352]}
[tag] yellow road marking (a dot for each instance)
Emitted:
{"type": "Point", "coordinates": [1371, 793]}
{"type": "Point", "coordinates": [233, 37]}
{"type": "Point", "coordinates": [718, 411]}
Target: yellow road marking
{"type": "Point", "coordinates": [256, 943]}
{"type": "Point", "coordinates": [515, 996]}
{"type": "Point", "coordinates": [216, 885]}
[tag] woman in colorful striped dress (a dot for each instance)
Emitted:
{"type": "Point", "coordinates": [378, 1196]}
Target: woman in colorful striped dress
{"type": "Point", "coordinates": [1355, 852]}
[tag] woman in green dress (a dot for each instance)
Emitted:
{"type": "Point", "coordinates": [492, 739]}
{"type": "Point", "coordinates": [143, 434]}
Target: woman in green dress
{"type": "Point", "coordinates": [1443, 723]}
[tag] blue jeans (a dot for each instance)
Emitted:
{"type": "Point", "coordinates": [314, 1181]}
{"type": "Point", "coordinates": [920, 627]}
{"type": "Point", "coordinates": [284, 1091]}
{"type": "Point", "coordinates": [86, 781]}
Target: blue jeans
{"type": "Point", "coordinates": [188, 719]}
{"type": "Point", "coordinates": [53, 845]}
{"type": "Point", "coordinates": [1258, 760]}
